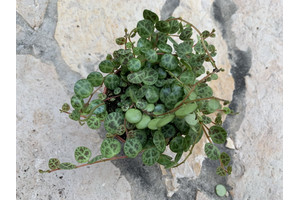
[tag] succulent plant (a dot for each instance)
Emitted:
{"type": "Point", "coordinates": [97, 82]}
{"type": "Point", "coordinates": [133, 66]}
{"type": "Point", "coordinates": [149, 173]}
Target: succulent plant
{"type": "Point", "coordinates": [155, 96]}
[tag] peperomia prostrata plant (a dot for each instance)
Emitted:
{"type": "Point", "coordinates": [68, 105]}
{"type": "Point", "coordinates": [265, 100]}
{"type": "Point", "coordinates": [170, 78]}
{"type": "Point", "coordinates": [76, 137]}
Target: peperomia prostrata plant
{"type": "Point", "coordinates": [155, 96]}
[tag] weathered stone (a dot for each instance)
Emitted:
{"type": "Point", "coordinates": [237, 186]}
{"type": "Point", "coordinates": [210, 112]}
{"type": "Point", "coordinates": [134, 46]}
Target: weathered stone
{"type": "Point", "coordinates": [202, 196]}
{"type": "Point", "coordinates": [32, 11]}
{"type": "Point", "coordinates": [229, 143]}
{"type": "Point", "coordinates": [258, 26]}
{"type": "Point", "coordinates": [86, 29]}
{"type": "Point", "coordinates": [43, 133]}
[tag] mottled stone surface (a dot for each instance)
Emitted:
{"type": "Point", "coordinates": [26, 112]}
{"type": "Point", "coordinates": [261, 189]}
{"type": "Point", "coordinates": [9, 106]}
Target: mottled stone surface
{"type": "Point", "coordinates": [65, 40]}
{"type": "Point", "coordinates": [33, 11]}
{"type": "Point", "coordinates": [42, 133]}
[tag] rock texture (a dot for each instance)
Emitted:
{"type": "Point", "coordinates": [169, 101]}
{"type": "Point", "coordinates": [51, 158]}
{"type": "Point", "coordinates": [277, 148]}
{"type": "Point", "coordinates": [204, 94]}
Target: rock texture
{"type": "Point", "coordinates": [42, 133]}
{"type": "Point", "coordinates": [60, 41]}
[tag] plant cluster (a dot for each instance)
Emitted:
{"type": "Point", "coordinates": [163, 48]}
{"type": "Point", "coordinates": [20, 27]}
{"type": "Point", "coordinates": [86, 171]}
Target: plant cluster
{"type": "Point", "coordinates": [155, 95]}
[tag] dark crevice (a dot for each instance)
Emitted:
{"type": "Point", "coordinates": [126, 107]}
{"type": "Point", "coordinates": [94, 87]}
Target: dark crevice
{"type": "Point", "coordinates": [168, 8]}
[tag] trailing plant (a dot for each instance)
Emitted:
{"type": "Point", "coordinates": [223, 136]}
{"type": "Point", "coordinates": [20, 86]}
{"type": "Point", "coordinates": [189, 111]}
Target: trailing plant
{"type": "Point", "coordinates": [155, 95]}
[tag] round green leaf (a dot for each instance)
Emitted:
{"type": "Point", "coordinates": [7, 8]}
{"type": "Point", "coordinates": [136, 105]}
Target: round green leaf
{"type": "Point", "coordinates": [143, 42]}
{"type": "Point", "coordinates": [150, 156]}
{"type": "Point", "coordinates": [151, 55]}
{"type": "Point", "coordinates": [168, 131]}
{"type": "Point", "coordinates": [225, 158]}
{"type": "Point", "coordinates": [162, 74]}
{"type": "Point", "coordinates": [133, 115]}
{"type": "Point", "coordinates": [188, 77]}
{"type": "Point", "coordinates": [65, 107]}
{"type": "Point", "coordinates": [111, 81]}
{"type": "Point", "coordinates": [77, 102]}
{"type": "Point", "coordinates": [191, 119]}
{"type": "Point", "coordinates": [212, 105]}
{"type": "Point", "coordinates": [164, 159]}
{"type": "Point", "coordinates": [186, 109]}
{"type": "Point", "coordinates": [83, 88]}
{"type": "Point", "coordinates": [159, 109]}
{"type": "Point", "coordinates": [145, 28]}
{"type": "Point", "coordinates": [94, 122]}
{"type": "Point", "coordinates": [150, 107]}
{"type": "Point", "coordinates": [96, 78]}
{"type": "Point", "coordinates": [152, 124]}
{"type": "Point", "coordinates": [148, 14]}
{"type": "Point", "coordinates": [169, 62]}
{"type": "Point", "coordinates": [174, 26]}
{"type": "Point", "coordinates": [159, 141]}
{"type": "Point", "coordinates": [53, 163]}
{"type": "Point", "coordinates": [134, 64]}
{"type": "Point", "coordinates": [82, 154]}
{"type": "Point", "coordinates": [100, 109]}
{"type": "Point", "coordinates": [136, 77]}
{"type": "Point", "coordinates": [212, 151]}
{"type": "Point", "coordinates": [218, 134]}
{"type": "Point", "coordinates": [95, 159]}
{"type": "Point", "coordinates": [144, 122]}
{"type": "Point", "coordinates": [110, 147]}
{"type": "Point", "coordinates": [221, 190]}
{"type": "Point", "coordinates": [186, 33]}
{"type": "Point", "coordinates": [150, 76]}
{"type": "Point", "coordinates": [152, 94]}
{"type": "Point", "coordinates": [132, 147]}
{"type": "Point", "coordinates": [165, 120]}
{"type": "Point", "coordinates": [106, 66]}
{"type": "Point", "coordinates": [177, 144]}
{"type": "Point", "coordinates": [163, 26]}
{"type": "Point", "coordinates": [165, 48]}
{"type": "Point", "coordinates": [75, 115]}
{"type": "Point", "coordinates": [203, 91]}
{"type": "Point", "coordinates": [113, 121]}
{"type": "Point", "coordinates": [67, 165]}
{"type": "Point", "coordinates": [121, 41]}
{"type": "Point", "coordinates": [141, 104]}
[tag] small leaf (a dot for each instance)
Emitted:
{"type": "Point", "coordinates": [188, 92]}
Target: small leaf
{"type": "Point", "coordinates": [133, 115]}
{"type": "Point", "coordinates": [177, 144]}
{"type": "Point", "coordinates": [186, 33]}
{"type": "Point", "coordinates": [120, 40]}
{"type": "Point", "coordinates": [145, 28]}
{"type": "Point", "coordinates": [96, 78]}
{"type": "Point", "coordinates": [144, 122]}
{"type": "Point", "coordinates": [111, 81]}
{"type": "Point", "coordinates": [65, 107]}
{"type": "Point", "coordinates": [169, 62]}
{"type": "Point", "coordinates": [165, 48]}
{"type": "Point", "coordinates": [83, 88]}
{"type": "Point", "coordinates": [225, 158]}
{"type": "Point", "coordinates": [134, 64]}
{"type": "Point", "coordinates": [151, 56]}
{"type": "Point", "coordinates": [106, 66]}
{"type": "Point", "coordinates": [150, 156]}
{"type": "Point", "coordinates": [191, 119]}
{"type": "Point", "coordinates": [113, 121]}
{"type": "Point", "coordinates": [150, 76]}
{"type": "Point", "coordinates": [165, 120]}
{"type": "Point", "coordinates": [67, 165]}
{"type": "Point", "coordinates": [220, 171]}
{"type": "Point", "coordinates": [153, 123]}
{"type": "Point", "coordinates": [82, 154]}
{"type": "Point", "coordinates": [77, 102]}
{"type": "Point", "coordinates": [163, 26]}
{"type": "Point", "coordinates": [174, 26]}
{"type": "Point", "coordinates": [110, 147]}
{"type": "Point", "coordinates": [221, 190]}
{"type": "Point", "coordinates": [94, 122]}
{"type": "Point", "coordinates": [143, 42]}
{"type": "Point", "coordinates": [212, 151]}
{"type": "Point", "coordinates": [95, 159]}
{"type": "Point", "coordinates": [53, 163]}
{"type": "Point", "coordinates": [136, 77]}
{"type": "Point", "coordinates": [168, 131]}
{"type": "Point", "coordinates": [229, 170]}
{"type": "Point", "coordinates": [187, 77]}
{"type": "Point", "coordinates": [186, 109]}
{"type": "Point", "coordinates": [218, 134]}
{"type": "Point", "coordinates": [164, 160]}
{"type": "Point", "coordinates": [203, 91]}
{"type": "Point", "coordinates": [132, 147]}
{"type": "Point", "coordinates": [148, 14]}
{"type": "Point", "coordinates": [75, 115]}
{"type": "Point", "coordinates": [178, 156]}
{"type": "Point", "coordinates": [159, 141]}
